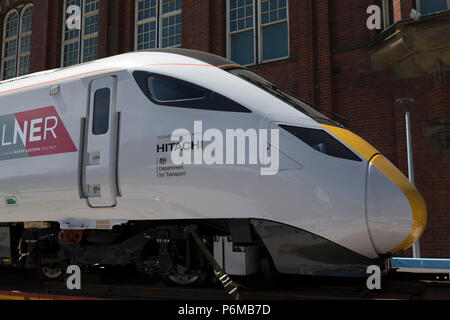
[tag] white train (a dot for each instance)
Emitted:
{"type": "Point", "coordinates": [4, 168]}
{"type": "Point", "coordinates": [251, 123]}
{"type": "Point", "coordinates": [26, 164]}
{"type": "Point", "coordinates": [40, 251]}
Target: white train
{"type": "Point", "coordinates": [86, 175]}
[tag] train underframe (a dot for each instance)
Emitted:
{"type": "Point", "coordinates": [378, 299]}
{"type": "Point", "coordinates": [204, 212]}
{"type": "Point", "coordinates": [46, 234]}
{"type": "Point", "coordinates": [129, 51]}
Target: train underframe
{"type": "Point", "coordinates": [240, 247]}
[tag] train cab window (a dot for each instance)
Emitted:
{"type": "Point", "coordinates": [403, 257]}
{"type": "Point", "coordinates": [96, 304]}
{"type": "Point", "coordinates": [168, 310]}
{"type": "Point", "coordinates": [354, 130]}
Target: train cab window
{"type": "Point", "coordinates": [100, 121]}
{"type": "Point", "coordinates": [321, 141]}
{"type": "Point", "coordinates": [165, 90]}
{"type": "Point", "coordinates": [172, 92]}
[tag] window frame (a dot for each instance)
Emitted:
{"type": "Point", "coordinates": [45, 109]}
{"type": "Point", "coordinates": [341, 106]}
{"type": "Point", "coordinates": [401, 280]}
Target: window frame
{"type": "Point", "coordinates": [94, 115]}
{"type": "Point", "coordinates": [386, 17]}
{"type": "Point", "coordinates": [19, 11]}
{"type": "Point", "coordinates": [84, 37]}
{"type": "Point", "coordinates": [260, 33]}
{"type": "Point", "coordinates": [206, 103]}
{"type": "Point", "coordinates": [419, 9]}
{"type": "Point", "coordinates": [138, 22]}
{"type": "Point", "coordinates": [258, 57]}
{"type": "Point", "coordinates": [74, 40]}
{"type": "Point", "coordinates": [159, 23]}
{"type": "Point", "coordinates": [4, 40]}
{"type": "Point", "coordinates": [172, 103]}
{"type": "Point", "coordinates": [229, 33]}
{"type": "Point", "coordinates": [180, 82]}
{"type": "Point", "coordinates": [81, 36]}
{"type": "Point", "coordinates": [160, 26]}
{"type": "Point", "coordinates": [348, 155]}
{"type": "Point", "coordinates": [22, 35]}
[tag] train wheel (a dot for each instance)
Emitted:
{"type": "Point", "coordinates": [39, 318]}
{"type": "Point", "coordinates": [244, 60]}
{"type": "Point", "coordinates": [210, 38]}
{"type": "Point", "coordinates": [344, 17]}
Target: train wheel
{"type": "Point", "coordinates": [181, 278]}
{"type": "Point", "coordinates": [51, 272]}
{"type": "Point", "coordinates": [198, 274]}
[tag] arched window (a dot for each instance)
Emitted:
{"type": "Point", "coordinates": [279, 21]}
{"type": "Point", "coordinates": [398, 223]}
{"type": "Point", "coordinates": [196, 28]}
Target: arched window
{"type": "Point", "coordinates": [25, 40]}
{"type": "Point", "coordinates": [80, 40]}
{"type": "Point", "coordinates": [158, 24]}
{"type": "Point", "coordinates": [16, 42]}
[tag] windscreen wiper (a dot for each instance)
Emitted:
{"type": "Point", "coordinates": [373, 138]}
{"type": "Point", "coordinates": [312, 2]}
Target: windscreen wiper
{"type": "Point", "coordinates": [277, 91]}
{"type": "Point", "coordinates": [342, 120]}
{"type": "Point", "coordinates": [274, 92]}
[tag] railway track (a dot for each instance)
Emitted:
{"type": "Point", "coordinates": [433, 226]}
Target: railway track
{"type": "Point", "coordinates": [139, 287]}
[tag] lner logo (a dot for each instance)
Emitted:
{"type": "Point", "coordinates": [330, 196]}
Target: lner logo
{"type": "Point", "coordinates": [33, 133]}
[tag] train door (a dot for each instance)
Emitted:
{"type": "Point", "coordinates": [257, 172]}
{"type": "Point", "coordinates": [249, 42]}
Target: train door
{"type": "Point", "coordinates": [99, 159]}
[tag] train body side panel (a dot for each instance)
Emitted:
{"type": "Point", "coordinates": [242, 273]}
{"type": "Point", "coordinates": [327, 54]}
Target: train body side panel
{"type": "Point", "coordinates": [40, 183]}
{"type": "Point", "coordinates": [47, 187]}
{"type": "Point", "coordinates": [154, 188]}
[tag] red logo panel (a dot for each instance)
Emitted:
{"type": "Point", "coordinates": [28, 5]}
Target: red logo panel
{"type": "Point", "coordinates": [45, 132]}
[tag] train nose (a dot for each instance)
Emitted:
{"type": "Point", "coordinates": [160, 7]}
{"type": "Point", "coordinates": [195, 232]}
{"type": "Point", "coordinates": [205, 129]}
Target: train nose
{"type": "Point", "coordinates": [396, 211]}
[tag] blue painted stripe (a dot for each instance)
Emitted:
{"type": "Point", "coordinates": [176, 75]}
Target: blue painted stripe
{"type": "Point", "coordinates": [420, 263]}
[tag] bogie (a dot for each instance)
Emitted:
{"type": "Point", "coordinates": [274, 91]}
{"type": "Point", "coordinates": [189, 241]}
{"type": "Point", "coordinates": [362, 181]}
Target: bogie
{"type": "Point", "coordinates": [164, 248]}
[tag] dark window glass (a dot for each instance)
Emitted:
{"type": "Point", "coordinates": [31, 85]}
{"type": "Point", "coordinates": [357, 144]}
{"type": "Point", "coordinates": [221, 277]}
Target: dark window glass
{"type": "Point", "coordinates": [430, 6]}
{"type": "Point", "coordinates": [100, 122]}
{"type": "Point", "coordinates": [242, 47]}
{"type": "Point", "coordinates": [171, 92]}
{"type": "Point", "coordinates": [275, 41]}
{"type": "Point", "coordinates": [165, 89]}
{"type": "Point", "coordinates": [321, 141]}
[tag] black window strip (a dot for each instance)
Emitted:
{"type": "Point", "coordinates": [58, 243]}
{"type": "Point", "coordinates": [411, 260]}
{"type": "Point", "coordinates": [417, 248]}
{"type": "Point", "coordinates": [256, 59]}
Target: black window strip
{"type": "Point", "coordinates": [321, 141]}
{"type": "Point", "coordinates": [211, 101]}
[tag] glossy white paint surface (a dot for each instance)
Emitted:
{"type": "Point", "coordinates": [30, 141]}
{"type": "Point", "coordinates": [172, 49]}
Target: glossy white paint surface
{"type": "Point", "coordinates": [315, 192]}
{"type": "Point", "coordinates": [389, 214]}
{"type": "Point", "coordinates": [100, 151]}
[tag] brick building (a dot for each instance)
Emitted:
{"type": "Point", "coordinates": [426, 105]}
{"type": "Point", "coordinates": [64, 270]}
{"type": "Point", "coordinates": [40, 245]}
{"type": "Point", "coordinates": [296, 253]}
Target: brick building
{"type": "Point", "coordinates": [319, 50]}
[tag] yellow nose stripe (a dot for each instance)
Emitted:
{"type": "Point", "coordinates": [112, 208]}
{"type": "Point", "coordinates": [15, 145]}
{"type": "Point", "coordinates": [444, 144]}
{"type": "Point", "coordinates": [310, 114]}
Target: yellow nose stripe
{"type": "Point", "coordinates": [418, 206]}
{"type": "Point", "coordinates": [354, 141]}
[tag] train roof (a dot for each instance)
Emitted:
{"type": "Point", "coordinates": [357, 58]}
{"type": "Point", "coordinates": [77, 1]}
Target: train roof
{"type": "Point", "coordinates": [115, 63]}
{"type": "Point", "coordinates": [205, 57]}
